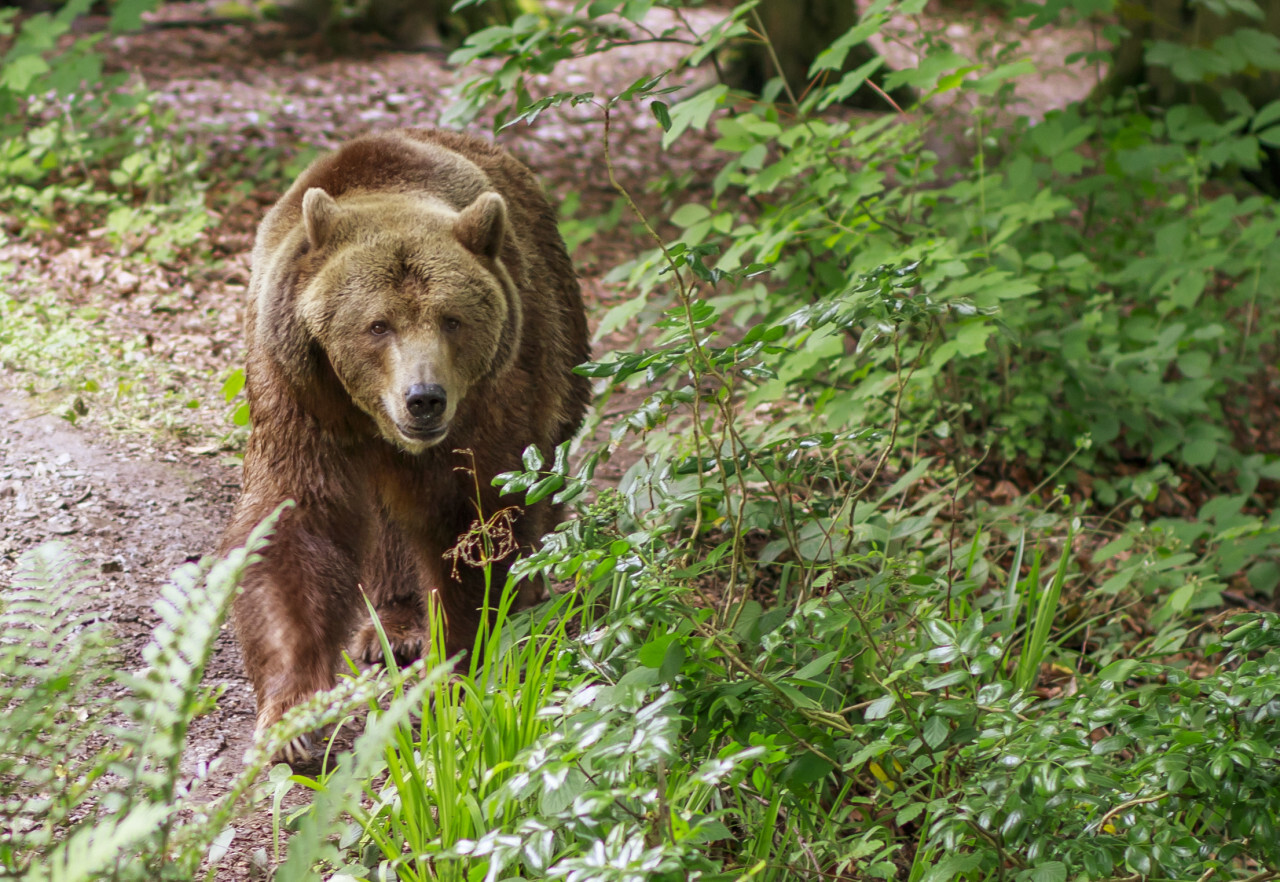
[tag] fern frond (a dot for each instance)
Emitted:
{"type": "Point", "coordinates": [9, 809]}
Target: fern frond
{"type": "Point", "coordinates": [55, 660]}
{"type": "Point", "coordinates": [312, 843]}
{"type": "Point", "coordinates": [113, 815]}
{"type": "Point", "coordinates": [192, 606]}
{"type": "Point", "coordinates": [94, 850]}
{"type": "Point", "coordinates": [323, 710]}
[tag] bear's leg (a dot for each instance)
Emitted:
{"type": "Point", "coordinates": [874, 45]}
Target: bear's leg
{"type": "Point", "coordinates": [297, 602]}
{"type": "Point", "coordinates": [392, 582]}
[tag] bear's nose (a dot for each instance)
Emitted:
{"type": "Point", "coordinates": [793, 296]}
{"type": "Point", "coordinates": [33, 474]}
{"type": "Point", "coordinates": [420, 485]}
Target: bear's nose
{"type": "Point", "coordinates": [425, 401]}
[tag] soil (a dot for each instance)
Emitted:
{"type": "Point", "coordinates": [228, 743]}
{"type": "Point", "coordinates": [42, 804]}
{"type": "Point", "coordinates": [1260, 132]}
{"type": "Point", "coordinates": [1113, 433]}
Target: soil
{"type": "Point", "coordinates": [138, 501]}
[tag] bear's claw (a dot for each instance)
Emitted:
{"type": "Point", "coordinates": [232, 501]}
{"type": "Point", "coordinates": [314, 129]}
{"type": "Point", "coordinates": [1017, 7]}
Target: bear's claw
{"type": "Point", "coordinates": [295, 752]}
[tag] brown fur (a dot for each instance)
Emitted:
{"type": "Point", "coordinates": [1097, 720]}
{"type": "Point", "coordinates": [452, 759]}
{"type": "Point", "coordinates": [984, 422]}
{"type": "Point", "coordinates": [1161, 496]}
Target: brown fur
{"type": "Point", "coordinates": [400, 231]}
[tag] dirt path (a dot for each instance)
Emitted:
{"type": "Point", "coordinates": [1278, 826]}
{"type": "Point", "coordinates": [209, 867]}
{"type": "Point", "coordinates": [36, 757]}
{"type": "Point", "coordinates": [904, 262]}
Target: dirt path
{"type": "Point", "coordinates": [134, 510]}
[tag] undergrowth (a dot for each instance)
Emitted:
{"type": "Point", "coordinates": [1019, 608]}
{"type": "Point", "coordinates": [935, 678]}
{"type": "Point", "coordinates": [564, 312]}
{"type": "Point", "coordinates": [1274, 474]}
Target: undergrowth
{"type": "Point", "coordinates": [92, 156]}
{"type": "Point", "coordinates": [800, 639]}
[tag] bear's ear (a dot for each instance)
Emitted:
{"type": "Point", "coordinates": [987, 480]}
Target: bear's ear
{"type": "Point", "coordinates": [319, 216]}
{"type": "Point", "coordinates": [482, 225]}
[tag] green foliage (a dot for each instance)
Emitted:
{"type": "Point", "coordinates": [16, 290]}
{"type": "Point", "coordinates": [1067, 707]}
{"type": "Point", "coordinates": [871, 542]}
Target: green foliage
{"type": "Point", "coordinates": [71, 136]}
{"type": "Point", "coordinates": [795, 642]}
{"type": "Point", "coordinates": [91, 783]}
{"type": "Point", "coordinates": [847, 734]}
{"type": "Point", "coordinates": [420, 791]}
{"type": "Point", "coordinates": [52, 654]}
{"type": "Point", "coordinates": [85, 369]}
{"type": "Point", "coordinates": [785, 667]}
{"type": "Point", "coordinates": [76, 142]}
{"type": "Point", "coordinates": [1085, 251]}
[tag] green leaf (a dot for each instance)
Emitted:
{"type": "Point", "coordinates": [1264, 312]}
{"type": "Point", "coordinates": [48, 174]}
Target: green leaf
{"type": "Point", "coordinates": [532, 458]}
{"type": "Point", "coordinates": [832, 58]}
{"type": "Point", "coordinates": [1118, 671]}
{"type": "Point", "coordinates": [971, 339]}
{"type": "Point", "coordinates": [1049, 871]}
{"type": "Point", "coordinates": [636, 10]}
{"type": "Point", "coordinates": [1200, 452]}
{"type": "Point", "coordinates": [1270, 137]}
{"type": "Point", "coordinates": [689, 214]}
{"type": "Point", "coordinates": [126, 15]}
{"type": "Point", "coordinates": [233, 385]}
{"type": "Point", "coordinates": [805, 769]}
{"type": "Point", "coordinates": [693, 113]}
{"type": "Point", "coordinates": [1269, 114]}
{"type": "Point", "coordinates": [950, 678]}
{"type": "Point", "coordinates": [602, 7]}
{"type": "Point", "coordinates": [910, 812]}
{"type": "Point", "coordinates": [954, 866]}
{"type": "Point", "coordinates": [850, 82]}
{"type": "Point", "coordinates": [652, 654]}
{"type": "Point", "coordinates": [618, 316]}
{"type": "Point", "coordinates": [672, 662]}
{"type": "Point", "coordinates": [1264, 576]}
{"type": "Point", "coordinates": [662, 114]}
{"type": "Point", "coordinates": [544, 488]}
{"type": "Point", "coordinates": [1258, 48]}
{"type": "Point", "coordinates": [819, 665]}
{"type": "Point", "coordinates": [18, 75]}
{"type": "Point", "coordinates": [936, 730]}
{"type": "Point", "coordinates": [879, 709]}
{"type": "Point", "coordinates": [1192, 64]}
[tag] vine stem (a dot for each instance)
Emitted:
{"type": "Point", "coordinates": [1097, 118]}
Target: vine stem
{"type": "Point", "coordinates": [708, 367]}
{"type": "Point", "coordinates": [773, 57]}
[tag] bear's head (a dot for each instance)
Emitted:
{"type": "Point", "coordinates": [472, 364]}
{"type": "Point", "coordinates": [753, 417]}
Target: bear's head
{"type": "Point", "coordinates": [410, 302]}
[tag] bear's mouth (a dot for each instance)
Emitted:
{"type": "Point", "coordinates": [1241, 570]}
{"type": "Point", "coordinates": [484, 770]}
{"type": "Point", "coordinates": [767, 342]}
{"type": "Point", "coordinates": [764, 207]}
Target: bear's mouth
{"type": "Point", "coordinates": [423, 434]}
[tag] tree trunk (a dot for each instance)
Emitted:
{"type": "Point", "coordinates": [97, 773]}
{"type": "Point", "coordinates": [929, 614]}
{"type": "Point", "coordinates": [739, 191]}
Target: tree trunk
{"type": "Point", "coordinates": [407, 23]}
{"type": "Point", "coordinates": [1196, 28]}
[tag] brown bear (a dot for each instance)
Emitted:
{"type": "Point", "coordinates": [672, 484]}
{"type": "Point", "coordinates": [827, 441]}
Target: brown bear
{"type": "Point", "coordinates": [412, 315]}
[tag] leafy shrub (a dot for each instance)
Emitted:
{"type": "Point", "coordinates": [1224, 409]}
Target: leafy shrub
{"type": "Point", "coordinates": [1088, 249]}
{"type": "Point", "coordinates": [801, 673]}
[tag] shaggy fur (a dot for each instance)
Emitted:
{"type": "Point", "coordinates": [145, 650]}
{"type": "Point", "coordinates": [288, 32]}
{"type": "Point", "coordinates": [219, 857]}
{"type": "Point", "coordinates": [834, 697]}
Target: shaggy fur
{"type": "Point", "coordinates": [403, 262]}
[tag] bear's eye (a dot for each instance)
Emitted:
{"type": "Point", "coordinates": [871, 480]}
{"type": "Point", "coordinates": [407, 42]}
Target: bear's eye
{"type": "Point", "coordinates": [452, 324]}
{"type": "Point", "coordinates": [377, 329]}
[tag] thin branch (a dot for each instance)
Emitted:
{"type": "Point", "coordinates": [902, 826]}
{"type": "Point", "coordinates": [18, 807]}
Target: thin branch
{"type": "Point", "coordinates": [1124, 806]}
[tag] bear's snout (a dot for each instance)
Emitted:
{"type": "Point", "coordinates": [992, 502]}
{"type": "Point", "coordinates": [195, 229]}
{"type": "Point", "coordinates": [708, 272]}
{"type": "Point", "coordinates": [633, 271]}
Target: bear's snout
{"type": "Point", "coordinates": [426, 402]}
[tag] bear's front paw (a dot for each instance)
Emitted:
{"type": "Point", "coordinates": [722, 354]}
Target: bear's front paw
{"type": "Point", "coordinates": [406, 644]}
{"type": "Point", "coordinates": [297, 751]}
{"type": "Point", "coordinates": [404, 624]}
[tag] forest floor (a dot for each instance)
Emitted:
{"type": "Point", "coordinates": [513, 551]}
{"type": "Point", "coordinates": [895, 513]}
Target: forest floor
{"type": "Point", "coordinates": [137, 481]}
